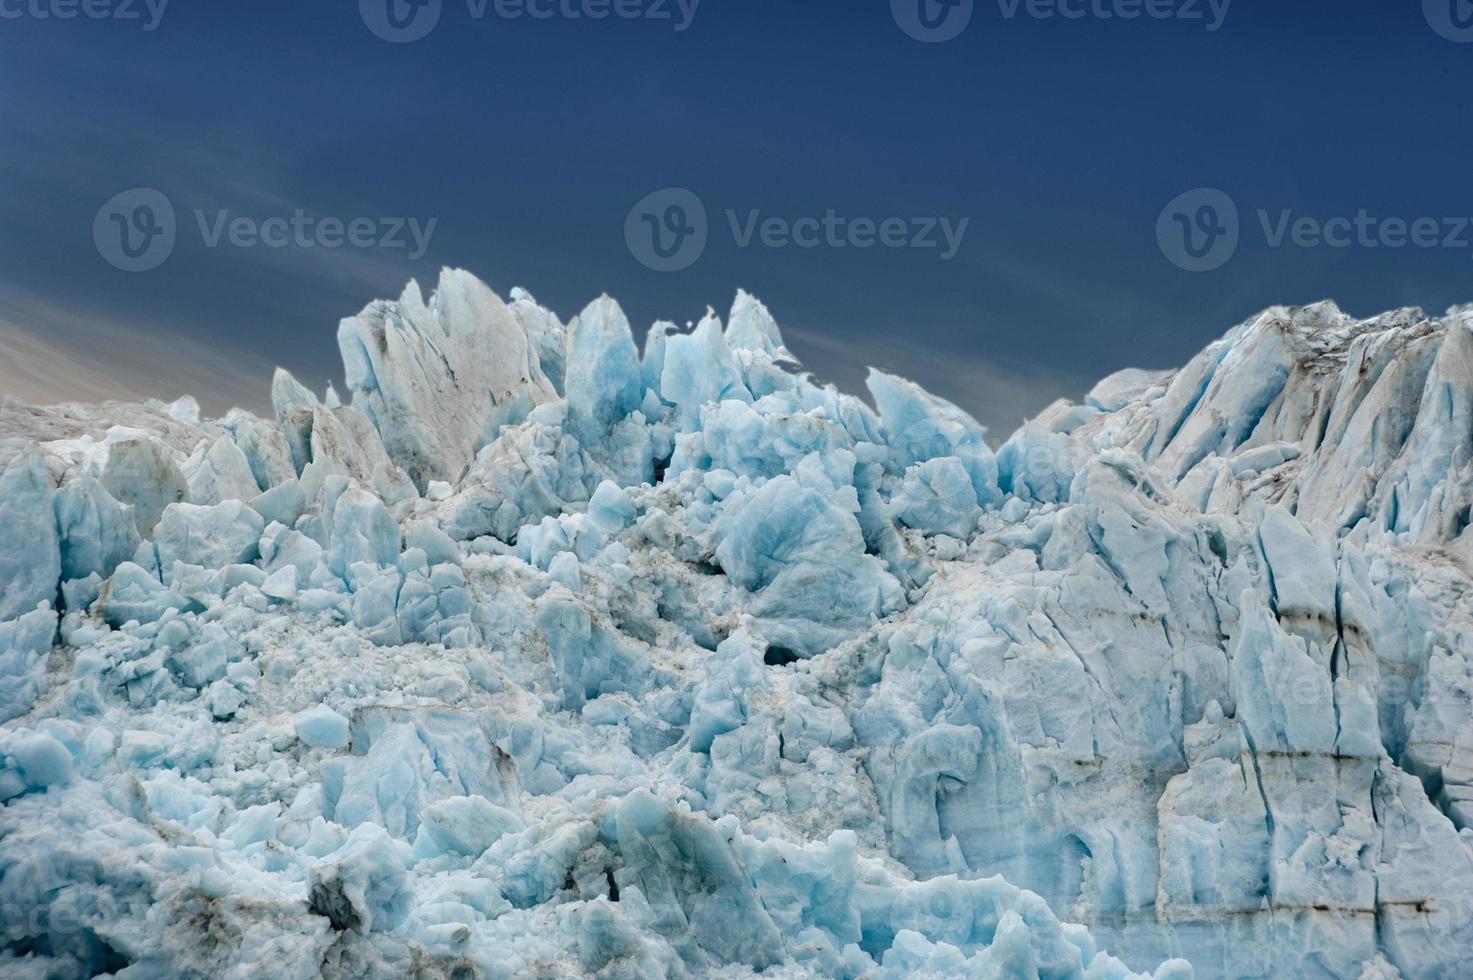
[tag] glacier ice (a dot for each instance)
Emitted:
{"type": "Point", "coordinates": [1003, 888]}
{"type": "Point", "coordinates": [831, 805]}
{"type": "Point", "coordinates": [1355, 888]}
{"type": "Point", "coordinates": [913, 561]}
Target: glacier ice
{"type": "Point", "coordinates": [321, 727]}
{"type": "Point", "coordinates": [543, 655]}
{"type": "Point", "coordinates": [30, 560]}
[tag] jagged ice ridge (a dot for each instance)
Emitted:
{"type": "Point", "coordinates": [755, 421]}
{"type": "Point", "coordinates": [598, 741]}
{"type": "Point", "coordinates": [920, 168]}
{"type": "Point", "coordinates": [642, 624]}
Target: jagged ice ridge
{"type": "Point", "coordinates": [545, 656]}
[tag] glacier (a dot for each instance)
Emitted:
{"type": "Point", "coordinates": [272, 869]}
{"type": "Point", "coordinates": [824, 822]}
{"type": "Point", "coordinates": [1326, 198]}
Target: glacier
{"type": "Point", "coordinates": [545, 655]}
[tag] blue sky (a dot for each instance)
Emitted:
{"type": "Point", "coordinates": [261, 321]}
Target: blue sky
{"type": "Point", "coordinates": [527, 141]}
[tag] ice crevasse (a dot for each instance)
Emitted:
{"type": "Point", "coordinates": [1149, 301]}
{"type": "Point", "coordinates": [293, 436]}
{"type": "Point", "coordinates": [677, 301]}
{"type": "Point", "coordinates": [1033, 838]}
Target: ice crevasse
{"type": "Point", "coordinates": [545, 655]}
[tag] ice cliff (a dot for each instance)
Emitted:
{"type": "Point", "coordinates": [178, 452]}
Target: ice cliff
{"type": "Point", "coordinates": [544, 656]}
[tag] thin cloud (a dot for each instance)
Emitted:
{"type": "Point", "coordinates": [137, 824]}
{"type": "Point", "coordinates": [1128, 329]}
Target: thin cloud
{"type": "Point", "coordinates": [50, 355]}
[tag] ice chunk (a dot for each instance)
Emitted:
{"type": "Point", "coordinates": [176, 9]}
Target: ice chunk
{"type": "Point", "coordinates": [1303, 569]}
{"type": "Point", "coordinates": [96, 531]}
{"type": "Point", "coordinates": [652, 366]}
{"type": "Point", "coordinates": [406, 762]}
{"type": "Point", "coordinates": [783, 541]}
{"type": "Point", "coordinates": [1117, 390]}
{"type": "Point", "coordinates": [134, 594]}
{"type": "Point", "coordinates": [682, 865]}
{"type": "Point", "coordinates": [588, 660]}
{"type": "Point", "coordinates": [211, 537]}
{"type": "Point", "coordinates": [362, 885]}
{"type": "Point", "coordinates": [603, 380]}
{"type": "Point", "coordinates": [362, 531]}
{"type": "Point", "coordinates": [731, 676]}
{"type": "Point", "coordinates": [781, 525]}
{"type": "Point", "coordinates": [295, 408]}
{"type": "Point", "coordinates": [281, 584]}
{"type": "Point", "coordinates": [265, 449]}
{"type": "Point", "coordinates": [420, 372]}
{"type": "Point", "coordinates": [24, 644]}
{"type": "Point", "coordinates": [283, 503]}
{"type": "Point", "coordinates": [30, 556]}
{"type": "Point", "coordinates": [219, 471]}
{"type": "Point", "coordinates": [548, 336]}
{"type": "Point", "coordinates": [938, 497]}
{"type": "Point", "coordinates": [1284, 697]}
{"type": "Point", "coordinates": [610, 509]}
{"type": "Point", "coordinates": [468, 824]}
{"type": "Point", "coordinates": [435, 543]}
{"type": "Point", "coordinates": [43, 760]}
{"type": "Point", "coordinates": [751, 327]}
{"type": "Point", "coordinates": [532, 471]}
{"type": "Point", "coordinates": [919, 426]}
{"type": "Point", "coordinates": [699, 370]}
{"type": "Point", "coordinates": [202, 662]}
{"type": "Point", "coordinates": [321, 727]}
{"type": "Point", "coordinates": [143, 474]}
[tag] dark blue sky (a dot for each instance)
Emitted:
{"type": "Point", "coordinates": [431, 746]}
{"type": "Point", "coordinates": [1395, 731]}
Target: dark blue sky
{"type": "Point", "coordinates": [1060, 140]}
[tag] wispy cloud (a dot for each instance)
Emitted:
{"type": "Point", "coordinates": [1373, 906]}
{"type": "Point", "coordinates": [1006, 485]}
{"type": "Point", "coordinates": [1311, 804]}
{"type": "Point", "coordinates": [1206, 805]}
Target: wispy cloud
{"type": "Point", "coordinates": [86, 335]}
{"type": "Point", "coordinates": [49, 354]}
{"type": "Point", "coordinates": [231, 171]}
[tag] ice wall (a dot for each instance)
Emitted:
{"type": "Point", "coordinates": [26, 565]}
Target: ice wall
{"type": "Point", "coordinates": [548, 656]}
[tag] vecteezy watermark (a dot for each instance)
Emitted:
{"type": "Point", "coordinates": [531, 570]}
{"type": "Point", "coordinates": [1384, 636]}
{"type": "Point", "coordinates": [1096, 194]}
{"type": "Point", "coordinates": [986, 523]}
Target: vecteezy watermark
{"type": "Point", "coordinates": [137, 230]}
{"type": "Point", "coordinates": [56, 918]}
{"type": "Point", "coordinates": [1452, 19]}
{"type": "Point", "coordinates": [834, 230]}
{"type": "Point", "coordinates": [147, 13]}
{"type": "Point", "coordinates": [667, 231]}
{"type": "Point", "coordinates": [1199, 230]}
{"type": "Point", "coordinates": [934, 21]}
{"type": "Point", "coordinates": [1211, 13]}
{"type": "Point", "coordinates": [402, 21]}
{"type": "Point", "coordinates": [1364, 230]}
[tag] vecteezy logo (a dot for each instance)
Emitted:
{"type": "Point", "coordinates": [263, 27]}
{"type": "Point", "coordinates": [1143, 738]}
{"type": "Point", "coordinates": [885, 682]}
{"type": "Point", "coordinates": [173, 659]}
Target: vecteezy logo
{"type": "Point", "coordinates": [1452, 19]}
{"type": "Point", "coordinates": [135, 230]}
{"type": "Point", "coordinates": [667, 230]}
{"type": "Point", "coordinates": [932, 21]}
{"type": "Point", "coordinates": [400, 21]}
{"type": "Point", "coordinates": [1199, 230]}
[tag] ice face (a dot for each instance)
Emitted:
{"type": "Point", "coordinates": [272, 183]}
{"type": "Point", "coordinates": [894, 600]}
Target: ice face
{"type": "Point", "coordinates": [603, 378]}
{"type": "Point", "coordinates": [539, 656]}
{"type": "Point", "coordinates": [30, 554]}
{"type": "Point", "coordinates": [437, 379]}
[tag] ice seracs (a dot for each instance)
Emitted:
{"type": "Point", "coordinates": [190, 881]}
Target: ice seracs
{"type": "Point", "coordinates": [438, 379]}
{"type": "Point", "coordinates": [543, 654]}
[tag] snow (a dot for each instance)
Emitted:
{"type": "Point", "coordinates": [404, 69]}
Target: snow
{"type": "Point", "coordinates": [542, 657]}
